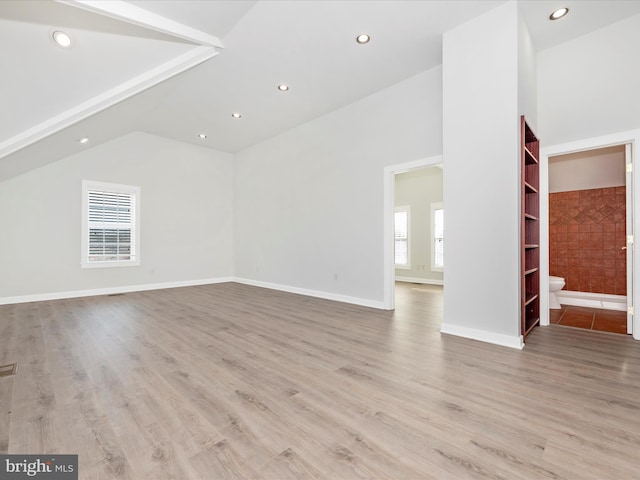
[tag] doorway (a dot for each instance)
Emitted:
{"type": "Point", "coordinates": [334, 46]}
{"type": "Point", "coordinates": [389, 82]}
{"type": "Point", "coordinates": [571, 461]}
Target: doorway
{"type": "Point", "coordinates": [418, 266]}
{"type": "Point", "coordinates": [626, 141]}
{"type": "Point", "coordinates": [587, 239]}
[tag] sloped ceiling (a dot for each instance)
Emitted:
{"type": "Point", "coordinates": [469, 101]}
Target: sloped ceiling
{"type": "Point", "coordinates": [181, 68]}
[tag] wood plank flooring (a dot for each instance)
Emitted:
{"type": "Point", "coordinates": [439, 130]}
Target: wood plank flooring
{"type": "Point", "coordinates": [235, 382]}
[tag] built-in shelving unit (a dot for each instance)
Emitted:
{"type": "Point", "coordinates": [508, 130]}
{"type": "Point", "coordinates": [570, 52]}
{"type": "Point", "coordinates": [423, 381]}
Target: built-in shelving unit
{"type": "Point", "coordinates": [530, 229]}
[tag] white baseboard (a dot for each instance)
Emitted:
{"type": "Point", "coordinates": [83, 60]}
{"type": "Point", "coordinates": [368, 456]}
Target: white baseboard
{"type": "Point", "coordinates": [483, 336]}
{"type": "Point", "coordinates": [110, 290]}
{"type": "Point", "coordinates": [593, 300]}
{"type": "Point", "coordinates": [188, 283]}
{"type": "Point", "coordinates": [313, 293]}
{"type": "Point", "coordinates": [424, 281]}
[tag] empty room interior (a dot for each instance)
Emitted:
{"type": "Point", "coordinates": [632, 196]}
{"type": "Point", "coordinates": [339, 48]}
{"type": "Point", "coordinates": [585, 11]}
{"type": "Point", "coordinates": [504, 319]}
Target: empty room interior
{"type": "Point", "coordinates": [319, 239]}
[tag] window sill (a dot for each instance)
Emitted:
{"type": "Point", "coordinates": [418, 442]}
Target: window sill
{"type": "Point", "coordinates": [403, 267]}
{"type": "Point", "coordinates": [437, 269]}
{"type": "Point", "coordinates": [129, 263]}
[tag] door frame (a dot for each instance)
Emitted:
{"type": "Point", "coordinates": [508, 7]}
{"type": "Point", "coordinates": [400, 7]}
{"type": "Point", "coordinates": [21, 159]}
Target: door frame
{"type": "Point", "coordinates": [390, 173]}
{"type": "Point", "coordinates": [629, 196]}
{"type": "Point", "coordinates": [631, 137]}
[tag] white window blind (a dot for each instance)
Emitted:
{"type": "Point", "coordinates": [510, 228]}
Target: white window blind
{"type": "Point", "coordinates": [110, 224]}
{"type": "Point", "coordinates": [401, 236]}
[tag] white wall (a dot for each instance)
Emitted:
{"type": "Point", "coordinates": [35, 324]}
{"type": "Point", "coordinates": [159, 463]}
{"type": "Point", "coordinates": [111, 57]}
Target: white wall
{"type": "Point", "coordinates": [589, 86]}
{"type": "Point", "coordinates": [586, 170]}
{"type": "Point", "coordinates": [186, 217]}
{"type": "Point", "coordinates": [309, 202]}
{"type": "Point", "coordinates": [527, 74]}
{"type": "Point", "coordinates": [481, 177]}
{"type": "Point", "coordinates": [419, 189]}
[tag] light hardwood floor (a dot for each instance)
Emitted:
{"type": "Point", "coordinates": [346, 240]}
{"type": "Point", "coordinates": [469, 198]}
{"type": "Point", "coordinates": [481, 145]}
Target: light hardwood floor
{"type": "Point", "coordinates": [231, 381]}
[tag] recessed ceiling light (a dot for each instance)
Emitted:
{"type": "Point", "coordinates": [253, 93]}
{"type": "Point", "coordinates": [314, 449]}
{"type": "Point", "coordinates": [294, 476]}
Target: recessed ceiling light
{"type": "Point", "coordinates": [202, 135]}
{"type": "Point", "coordinates": [283, 88]}
{"type": "Point", "coordinates": [84, 140]}
{"type": "Point", "coordinates": [363, 38]}
{"type": "Point", "coordinates": [559, 13]}
{"type": "Point", "coordinates": [236, 115]}
{"type": "Point", "coordinates": [62, 39]}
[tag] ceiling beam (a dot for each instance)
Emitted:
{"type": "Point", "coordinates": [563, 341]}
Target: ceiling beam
{"type": "Point", "coordinates": [114, 95]}
{"type": "Point", "coordinates": [126, 12]}
{"type": "Point", "coordinates": [205, 47]}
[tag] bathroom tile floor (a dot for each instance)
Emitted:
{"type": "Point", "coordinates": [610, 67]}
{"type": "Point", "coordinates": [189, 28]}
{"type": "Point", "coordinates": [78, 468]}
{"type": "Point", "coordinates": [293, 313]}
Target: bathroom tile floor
{"type": "Point", "coordinates": [611, 321]}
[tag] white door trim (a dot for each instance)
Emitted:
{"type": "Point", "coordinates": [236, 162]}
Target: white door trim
{"type": "Point", "coordinates": [621, 138]}
{"type": "Point", "coordinates": [628, 160]}
{"type": "Point", "coordinates": [389, 184]}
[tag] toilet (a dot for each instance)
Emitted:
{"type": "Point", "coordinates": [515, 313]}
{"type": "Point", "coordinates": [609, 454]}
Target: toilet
{"type": "Point", "coordinates": [555, 284]}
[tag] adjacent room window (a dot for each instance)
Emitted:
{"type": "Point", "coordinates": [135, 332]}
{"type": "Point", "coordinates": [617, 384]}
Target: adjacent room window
{"type": "Point", "coordinates": [437, 237]}
{"type": "Point", "coordinates": [401, 237]}
{"type": "Point", "coordinates": [110, 220]}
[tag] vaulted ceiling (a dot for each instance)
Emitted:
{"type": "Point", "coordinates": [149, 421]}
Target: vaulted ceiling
{"type": "Point", "coordinates": [181, 68]}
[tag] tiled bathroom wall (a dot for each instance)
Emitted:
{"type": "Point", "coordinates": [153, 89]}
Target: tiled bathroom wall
{"type": "Point", "coordinates": [586, 236]}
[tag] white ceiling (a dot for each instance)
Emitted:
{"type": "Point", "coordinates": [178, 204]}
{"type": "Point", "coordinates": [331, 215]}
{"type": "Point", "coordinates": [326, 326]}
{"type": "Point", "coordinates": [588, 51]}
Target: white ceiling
{"type": "Point", "coordinates": [49, 92]}
{"type": "Point", "coordinates": [47, 80]}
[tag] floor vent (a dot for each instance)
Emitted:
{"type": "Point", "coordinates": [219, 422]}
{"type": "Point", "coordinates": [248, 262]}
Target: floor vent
{"type": "Point", "coordinates": [8, 370]}
{"type": "Point", "coordinates": [114, 294]}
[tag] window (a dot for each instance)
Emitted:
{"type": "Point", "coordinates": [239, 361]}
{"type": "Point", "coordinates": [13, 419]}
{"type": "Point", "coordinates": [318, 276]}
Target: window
{"type": "Point", "coordinates": [110, 233]}
{"type": "Point", "coordinates": [437, 237]}
{"type": "Point", "coordinates": [401, 237]}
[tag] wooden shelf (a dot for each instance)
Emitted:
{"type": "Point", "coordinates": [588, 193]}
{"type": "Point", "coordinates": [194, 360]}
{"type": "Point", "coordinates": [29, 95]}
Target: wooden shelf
{"type": "Point", "coordinates": [531, 326]}
{"type": "Point", "coordinates": [529, 229]}
{"type": "Point", "coordinates": [529, 158]}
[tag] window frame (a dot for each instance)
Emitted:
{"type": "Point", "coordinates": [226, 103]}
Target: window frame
{"type": "Point", "coordinates": [404, 208]}
{"type": "Point", "coordinates": [436, 206]}
{"type": "Point", "coordinates": [88, 185]}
